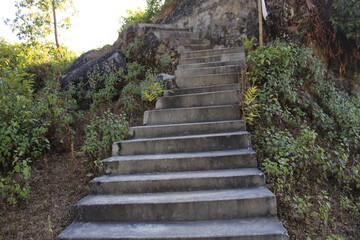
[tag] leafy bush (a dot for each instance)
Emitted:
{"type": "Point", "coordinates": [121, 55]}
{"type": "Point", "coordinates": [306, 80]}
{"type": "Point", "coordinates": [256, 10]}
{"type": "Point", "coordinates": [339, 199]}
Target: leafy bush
{"type": "Point", "coordinates": [102, 132]}
{"type": "Point", "coordinates": [135, 71]}
{"type": "Point", "coordinates": [347, 18]}
{"type": "Point", "coordinates": [142, 16]}
{"type": "Point", "coordinates": [22, 135]}
{"type": "Point", "coordinates": [58, 111]}
{"type": "Point", "coordinates": [308, 133]}
{"type": "Point", "coordinates": [129, 96]}
{"type": "Point", "coordinates": [291, 158]}
{"type": "Point", "coordinates": [102, 88]}
{"type": "Point", "coordinates": [151, 88]}
{"type": "Point", "coordinates": [30, 120]}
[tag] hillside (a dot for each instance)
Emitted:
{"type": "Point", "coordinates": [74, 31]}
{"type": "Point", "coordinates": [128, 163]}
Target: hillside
{"type": "Point", "coordinates": [301, 102]}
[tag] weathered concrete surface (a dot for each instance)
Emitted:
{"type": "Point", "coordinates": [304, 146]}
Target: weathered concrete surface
{"type": "Point", "coordinates": [228, 97]}
{"type": "Point", "coordinates": [178, 181]}
{"type": "Point", "coordinates": [202, 89]}
{"type": "Point", "coordinates": [178, 144]}
{"type": "Point", "coordinates": [191, 115]}
{"type": "Point", "coordinates": [214, 58]}
{"type": "Point", "coordinates": [235, 229]}
{"type": "Point", "coordinates": [207, 70]}
{"type": "Point", "coordinates": [161, 39]}
{"type": "Point", "coordinates": [152, 163]}
{"type": "Point", "coordinates": [207, 79]}
{"type": "Point", "coordinates": [212, 64]}
{"type": "Point", "coordinates": [223, 21]}
{"type": "Point", "coordinates": [212, 52]}
{"type": "Point", "coordinates": [187, 129]}
{"type": "Point", "coordinates": [178, 206]}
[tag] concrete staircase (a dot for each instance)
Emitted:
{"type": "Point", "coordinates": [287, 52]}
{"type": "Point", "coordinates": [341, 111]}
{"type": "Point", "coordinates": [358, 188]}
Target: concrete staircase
{"type": "Point", "coordinates": [189, 172]}
{"type": "Point", "coordinates": [179, 39]}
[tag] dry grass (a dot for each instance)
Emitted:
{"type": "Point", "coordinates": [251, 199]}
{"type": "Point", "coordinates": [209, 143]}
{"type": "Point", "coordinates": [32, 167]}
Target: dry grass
{"type": "Point", "coordinates": [56, 184]}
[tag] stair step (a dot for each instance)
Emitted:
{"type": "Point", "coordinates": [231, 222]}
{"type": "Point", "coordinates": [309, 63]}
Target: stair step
{"type": "Point", "coordinates": [202, 89]}
{"type": "Point", "coordinates": [162, 27]}
{"type": "Point", "coordinates": [192, 115]}
{"type": "Point", "coordinates": [207, 70]}
{"type": "Point", "coordinates": [227, 97]}
{"type": "Point", "coordinates": [175, 34]}
{"type": "Point", "coordinates": [179, 144]}
{"type": "Point", "coordinates": [177, 206]}
{"type": "Point", "coordinates": [235, 229]}
{"type": "Point", "coordinates": [212, 52]}
{"type": "Point", "coordinates": [206, 80]}
{"type": "Point", "coordinates": [231, 159]}
{"type": "Point", "coordinates": [178, 181]}
{"type": "Point", "coordinates": [239, 62]}
{"type": "Point", "coordinates": [186, 129]}
{"type": "Point", "coordinates": [190, 172]}
{"type": "Point", "coordinates": [195, 47]}
{"type": "Point", "coordinates": [214, 58]}
{"type": "Point", "coordinates": [191, 41]}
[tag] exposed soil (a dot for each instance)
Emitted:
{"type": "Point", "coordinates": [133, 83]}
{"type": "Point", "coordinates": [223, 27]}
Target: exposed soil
{"type": "Point", "coordinates": [57, 182]}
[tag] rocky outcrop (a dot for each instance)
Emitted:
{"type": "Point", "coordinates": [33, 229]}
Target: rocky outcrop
{"type": "Point", "coordinates": [224, 22]}
{"type": "Point", "coordinates": [85, 64]}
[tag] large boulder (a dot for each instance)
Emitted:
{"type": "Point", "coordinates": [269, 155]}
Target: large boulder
{"type": "Point", "coordinates": [87, 63]}
{"type": "Point", "coordinates": [152, 48]}
{"type": "Point", "coordinates": [224, 22]}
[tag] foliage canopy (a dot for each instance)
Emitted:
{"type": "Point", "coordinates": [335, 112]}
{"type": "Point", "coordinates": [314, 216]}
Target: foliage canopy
{"type": "Point", "coordinates": [36, 19]}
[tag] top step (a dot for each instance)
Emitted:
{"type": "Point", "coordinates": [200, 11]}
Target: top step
{"type": "Point", "coordinates": [212, 52]}
{"type": "Point", "coordinates": [166, 27]}
{"type": "Point", "coordinates": [175, 34]}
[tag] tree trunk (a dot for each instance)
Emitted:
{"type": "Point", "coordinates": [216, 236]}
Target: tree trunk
{"type": "Point", "coordinates": [55, 24]}
{"type": "Point", "coordinates": [261, 40]}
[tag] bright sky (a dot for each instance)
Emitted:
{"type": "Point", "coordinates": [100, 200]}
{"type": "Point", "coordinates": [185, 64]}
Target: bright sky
{"type": "Point", "coordinates": [95, 25]}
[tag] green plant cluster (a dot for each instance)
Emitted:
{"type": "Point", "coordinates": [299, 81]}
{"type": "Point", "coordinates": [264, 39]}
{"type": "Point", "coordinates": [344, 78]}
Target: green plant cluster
{"type": "Point", "coordinates": [307, 133]}
{"type": "Point", "coordinates": [36, 116]}
{"type": "Point", "coordinates": [141, 81]}
{"type": "Point", "coordinates": [153, 7]}
{"type": "Point", "coordinates": [101, 132]}
{"type": "Point", "coordinates": [131, 88]}
{"type": "Point", "coordinates": [30, 117]}
{"type": "Point", "coordinates": [101, 88]}
{"type": "Point", "coordinates": [346, 18]}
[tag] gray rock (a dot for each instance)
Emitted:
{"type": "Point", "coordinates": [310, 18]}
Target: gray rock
{"type": "Point", "coordinates": [83, 59]}
{"type": "Point", "coordinates": [224, 22]}
{"type": "Point", "coordinates": [168, 79]}
{"type": "Point", "coordinates": [109, 62]}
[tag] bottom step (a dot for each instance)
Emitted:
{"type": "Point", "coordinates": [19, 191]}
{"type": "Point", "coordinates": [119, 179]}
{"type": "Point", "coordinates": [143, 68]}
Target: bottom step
{"type": "Point", "coordinates": [244, 229]}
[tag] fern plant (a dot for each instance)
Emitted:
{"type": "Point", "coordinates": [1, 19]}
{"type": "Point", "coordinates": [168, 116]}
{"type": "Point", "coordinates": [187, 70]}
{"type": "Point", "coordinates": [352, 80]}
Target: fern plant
{"type": "Point", "coordinates": [250, 109]}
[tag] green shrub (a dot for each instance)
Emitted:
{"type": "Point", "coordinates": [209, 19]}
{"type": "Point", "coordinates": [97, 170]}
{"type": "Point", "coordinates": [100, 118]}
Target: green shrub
{"type": "Point", "coordinates": [291, 158]}
{"type": "Point", "coordinates": [129, 96]}
{"type": "Point", "coordinates": [22, 135]}
{"type": "Point", "coordinates": [102, 132]}
{"type": "Point", "coordinates": [151, 88]}
{"type": "Point", "coordinates": [31, 121]}
{"type": "Point", "coordinates": [58, 110]}
{"type": "Point", "coordinates": [135, 71]}
{"type": "Point", "coordinates": [133, 51]}
{"type": "Point", "coordinates": [142, 16]}
{"type": "Point", "coordinates": [346, 18]}
{"type": "Point", "coordinates": [307, 134]}
{"type": "Point", "coordinates": [293, 86]}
